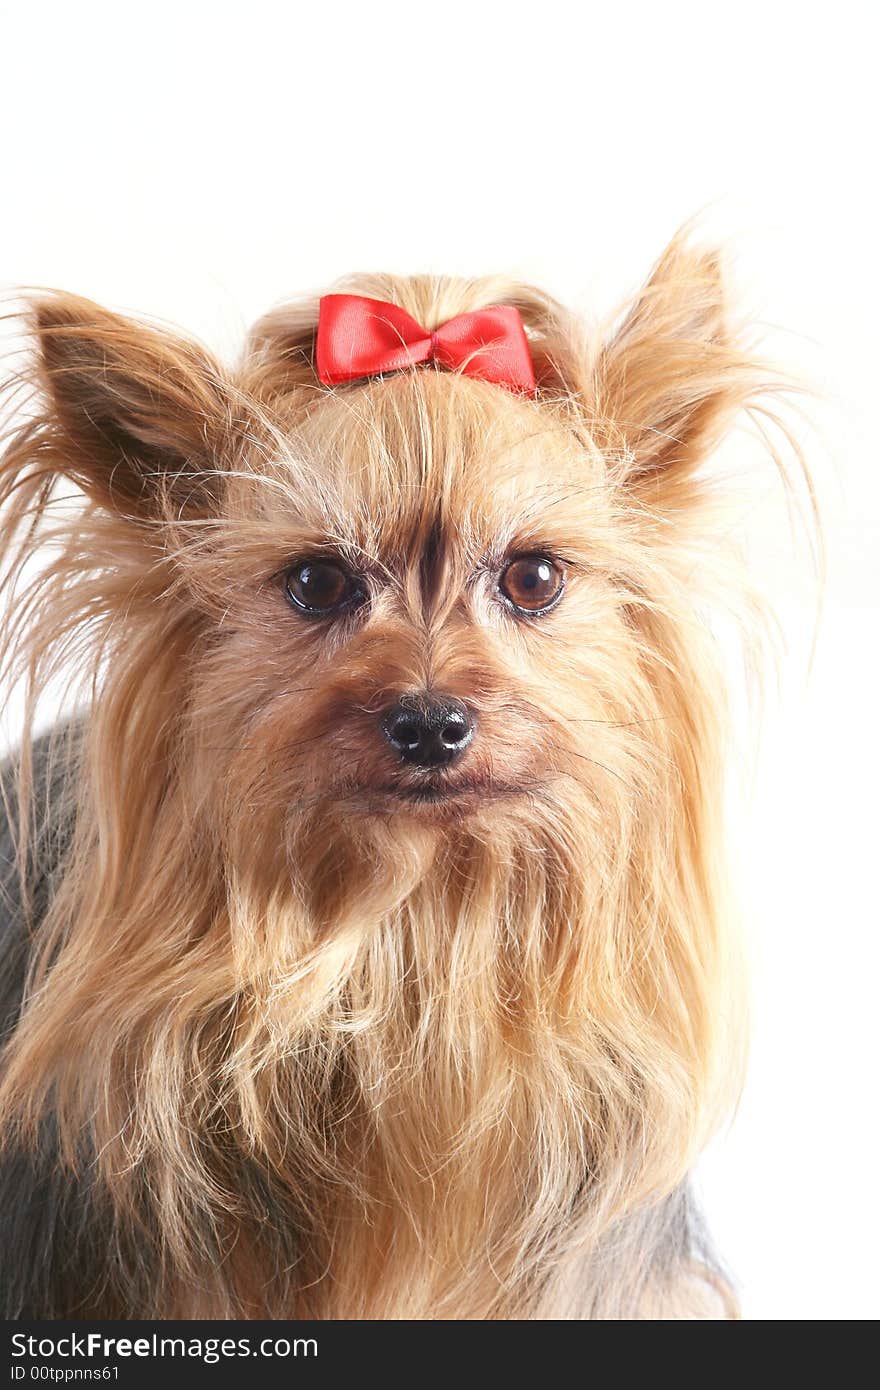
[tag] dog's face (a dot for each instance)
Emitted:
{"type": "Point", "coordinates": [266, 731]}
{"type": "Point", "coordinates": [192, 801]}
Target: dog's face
{"type": "Point", "coordinates": [425, 616]}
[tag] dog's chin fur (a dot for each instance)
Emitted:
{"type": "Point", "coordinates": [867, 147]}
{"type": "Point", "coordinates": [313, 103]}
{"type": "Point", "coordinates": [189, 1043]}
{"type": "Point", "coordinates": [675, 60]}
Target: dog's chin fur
{"type": "Point", "coordinates": [309, 1036]}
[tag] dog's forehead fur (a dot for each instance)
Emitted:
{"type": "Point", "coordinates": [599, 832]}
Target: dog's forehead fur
{"type": "Point", "coordinates": [427, 465]}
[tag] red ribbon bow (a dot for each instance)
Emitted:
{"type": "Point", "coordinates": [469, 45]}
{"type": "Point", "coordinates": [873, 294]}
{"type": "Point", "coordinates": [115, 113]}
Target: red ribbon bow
{"type": "Point", "coordinates": [360, 337]}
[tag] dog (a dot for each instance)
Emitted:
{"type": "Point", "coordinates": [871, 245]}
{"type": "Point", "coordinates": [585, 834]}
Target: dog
{"type": "Point", "coordinates": [366, 940]}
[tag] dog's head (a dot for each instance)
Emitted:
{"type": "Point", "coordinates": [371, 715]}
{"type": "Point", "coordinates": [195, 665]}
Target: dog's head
{"type": "Point", "coordinates": [419, 600]}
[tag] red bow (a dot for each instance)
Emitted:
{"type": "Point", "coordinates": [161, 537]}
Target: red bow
{"type": "Point", "coordinates": [360, 337]}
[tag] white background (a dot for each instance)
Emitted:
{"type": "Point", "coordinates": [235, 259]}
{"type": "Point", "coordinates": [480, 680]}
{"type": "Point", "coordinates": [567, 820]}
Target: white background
{"type": "Point", "coordinates": [199, 163]}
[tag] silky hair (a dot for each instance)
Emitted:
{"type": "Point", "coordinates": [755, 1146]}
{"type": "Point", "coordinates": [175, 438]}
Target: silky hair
{"type": "Point", "coordinates": [299, 1054]}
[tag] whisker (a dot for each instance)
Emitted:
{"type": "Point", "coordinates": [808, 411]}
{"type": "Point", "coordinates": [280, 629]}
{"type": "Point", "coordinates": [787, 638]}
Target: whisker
{"type": "Point", "coordinates": [604, 766]}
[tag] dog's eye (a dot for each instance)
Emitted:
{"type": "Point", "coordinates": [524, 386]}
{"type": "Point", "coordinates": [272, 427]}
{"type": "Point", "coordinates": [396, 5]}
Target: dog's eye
{"type": "Point", "coordinates": [321, 587]}
{"type": "Point", "coordinates": [532, 584]}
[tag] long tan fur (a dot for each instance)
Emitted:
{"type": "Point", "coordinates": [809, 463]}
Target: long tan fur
{"type": "Point", "coordinates": [318, 1054]}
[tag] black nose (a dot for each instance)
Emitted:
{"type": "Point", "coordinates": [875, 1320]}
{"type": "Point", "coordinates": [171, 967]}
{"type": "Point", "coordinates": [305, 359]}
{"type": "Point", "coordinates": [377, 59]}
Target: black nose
{"type": "Point", "coordinates": [428, 730]}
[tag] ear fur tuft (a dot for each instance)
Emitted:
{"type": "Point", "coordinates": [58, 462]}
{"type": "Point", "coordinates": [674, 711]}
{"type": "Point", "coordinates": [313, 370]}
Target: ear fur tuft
{"type": "Point", "coordinates": [138, 414]}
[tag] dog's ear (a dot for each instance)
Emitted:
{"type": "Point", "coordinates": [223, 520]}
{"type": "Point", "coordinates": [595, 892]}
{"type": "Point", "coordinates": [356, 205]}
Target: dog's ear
{"type": "Point", "coordinates": [137, 417]}
{"type": "Point", "coordinates": [670, 380]}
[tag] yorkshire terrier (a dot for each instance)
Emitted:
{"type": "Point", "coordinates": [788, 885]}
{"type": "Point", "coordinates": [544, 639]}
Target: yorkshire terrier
{"type": "Point", "coordinates": [365, 949]}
